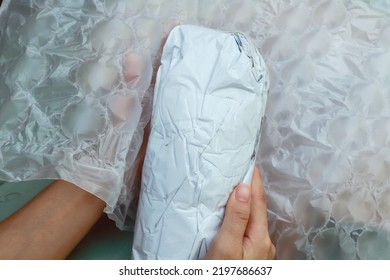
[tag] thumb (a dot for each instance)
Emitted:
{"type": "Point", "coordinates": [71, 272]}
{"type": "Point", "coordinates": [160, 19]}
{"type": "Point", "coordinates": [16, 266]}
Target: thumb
{"type": "Point", "coordinates": [237, 214]}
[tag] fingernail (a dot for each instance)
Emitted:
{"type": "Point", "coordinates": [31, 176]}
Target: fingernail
{"type": "Point", "coordinates": [243, 192]}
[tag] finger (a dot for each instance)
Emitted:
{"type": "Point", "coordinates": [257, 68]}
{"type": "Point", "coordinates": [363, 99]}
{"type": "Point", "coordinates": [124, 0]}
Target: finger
{"type": "Point", "coordinates": [257, 227]}
{"type": "Point", "coordinates": [237, 214]}
{"type": "Point", "coordinates": [136, 67]}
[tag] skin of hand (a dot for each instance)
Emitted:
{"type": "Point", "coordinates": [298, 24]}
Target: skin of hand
{"type": "Point", "coordinates": [244, 230]}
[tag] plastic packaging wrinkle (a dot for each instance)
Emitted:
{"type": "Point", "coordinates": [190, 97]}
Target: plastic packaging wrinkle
{"type": "Point", "coordinates": [76, 88]}
{"type": "Point", "coordinates": [209, 101]}
{"type": "Point", "coordinates": [74, 97]}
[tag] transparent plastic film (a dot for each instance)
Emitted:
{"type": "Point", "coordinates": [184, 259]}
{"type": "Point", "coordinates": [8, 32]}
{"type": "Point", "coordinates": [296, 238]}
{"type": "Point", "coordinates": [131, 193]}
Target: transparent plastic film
{"type": "Point", "coordinates": [324, 148]}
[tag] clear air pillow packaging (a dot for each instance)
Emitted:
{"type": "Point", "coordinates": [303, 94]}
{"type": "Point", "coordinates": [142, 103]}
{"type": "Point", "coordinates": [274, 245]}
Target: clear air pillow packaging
{"type": "Point", "coordinates": [325, 141]}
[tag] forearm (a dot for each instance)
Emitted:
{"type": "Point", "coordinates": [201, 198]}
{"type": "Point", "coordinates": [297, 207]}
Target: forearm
{"type": "Point", "coordinates": [50, 225]}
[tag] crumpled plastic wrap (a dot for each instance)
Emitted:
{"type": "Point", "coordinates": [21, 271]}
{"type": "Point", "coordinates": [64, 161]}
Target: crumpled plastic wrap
{"type": "Point", "coordinates": [74, 100]}
{"type": "Point", "coordinates": [209, 100]}
{"type": "Point", "coordinates": [325, 147]}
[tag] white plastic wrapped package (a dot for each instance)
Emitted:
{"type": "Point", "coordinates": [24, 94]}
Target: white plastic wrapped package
{"type": "Point", "coordinates": [209, 100]}
{"type": "Point", "coordinates": [325, 144]}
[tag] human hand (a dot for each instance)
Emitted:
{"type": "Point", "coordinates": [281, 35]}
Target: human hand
{"type": "Point", "coordinates": [244, 231]}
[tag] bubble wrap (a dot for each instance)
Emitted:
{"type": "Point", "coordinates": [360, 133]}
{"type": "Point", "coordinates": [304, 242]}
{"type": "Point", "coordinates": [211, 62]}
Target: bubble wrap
{"type": "Point", "coordinates": [325, 147]}
{"type": "Point", "coordinates": [197, 153]}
